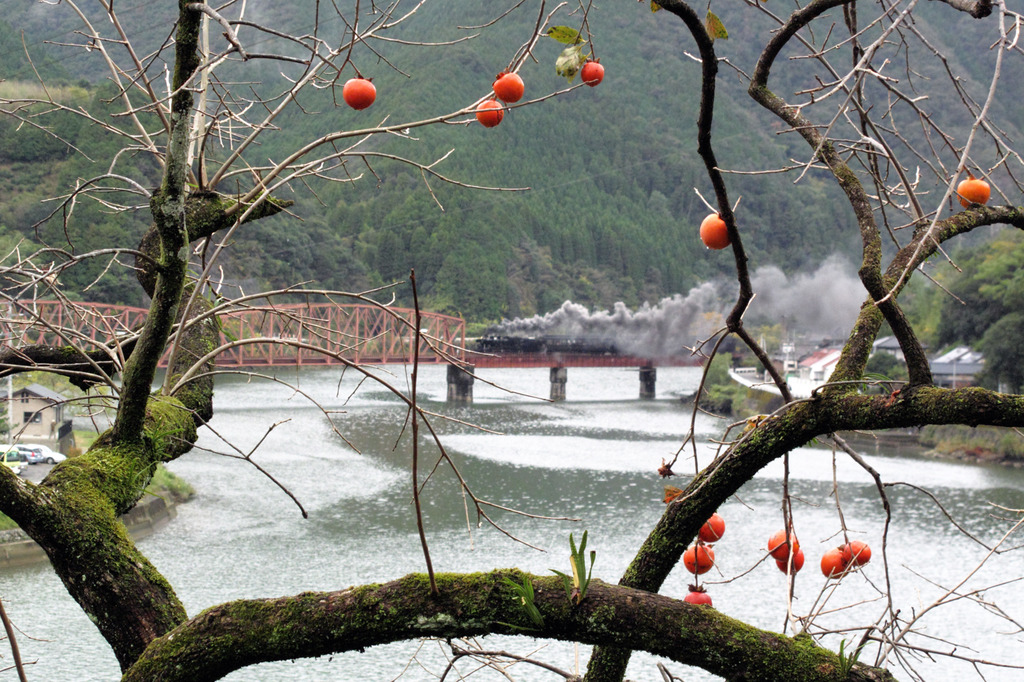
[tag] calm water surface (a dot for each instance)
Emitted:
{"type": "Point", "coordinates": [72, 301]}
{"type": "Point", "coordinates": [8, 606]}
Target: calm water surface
{"type": "Point", "coordinates": [593, 457]}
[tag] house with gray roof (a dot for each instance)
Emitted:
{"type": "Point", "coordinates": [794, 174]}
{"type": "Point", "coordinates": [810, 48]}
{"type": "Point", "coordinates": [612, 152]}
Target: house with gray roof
{"type": "Point", "coordinates": [957, 367]}
{"type": "Point", "coordinates": [39, 415]}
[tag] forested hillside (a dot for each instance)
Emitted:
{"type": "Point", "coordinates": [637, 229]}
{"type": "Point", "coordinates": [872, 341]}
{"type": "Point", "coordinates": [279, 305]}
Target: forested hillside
{"type": "Point", "coordinates": [610, 213]}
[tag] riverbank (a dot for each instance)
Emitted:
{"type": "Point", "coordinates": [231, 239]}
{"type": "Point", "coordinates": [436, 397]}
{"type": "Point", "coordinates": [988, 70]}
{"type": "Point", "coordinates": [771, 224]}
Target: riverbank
{"type": "Point", "coordinates": [154, 511]}
{"type": "Point", "coordinates": [743, 392]}
{"type": "Point", "coordinates": [970, 446]}
{"type": "Point", "coordinates": [984, 445]}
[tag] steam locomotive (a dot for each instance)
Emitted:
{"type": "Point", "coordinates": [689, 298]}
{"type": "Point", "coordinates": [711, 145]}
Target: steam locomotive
{"type": "Point", "coordinates": [500, 344]}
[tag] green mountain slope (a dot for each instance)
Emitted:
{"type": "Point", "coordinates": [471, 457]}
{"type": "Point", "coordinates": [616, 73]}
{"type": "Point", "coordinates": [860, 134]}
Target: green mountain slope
{"type": "Point", "coordinates": [610, 212]}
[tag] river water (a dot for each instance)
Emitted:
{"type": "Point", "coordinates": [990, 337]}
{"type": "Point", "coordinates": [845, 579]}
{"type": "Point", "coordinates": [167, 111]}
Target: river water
{"type": "Point", "coordinates": [592, 457]}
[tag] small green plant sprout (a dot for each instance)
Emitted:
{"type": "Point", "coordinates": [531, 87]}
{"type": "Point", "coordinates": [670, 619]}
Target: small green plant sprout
{"type": "Point", "coordinates": [576, 587]}
{"type": "Point", "coordinates": [846, 662]}
{"type": "Point", "coordinates": [525, 594]}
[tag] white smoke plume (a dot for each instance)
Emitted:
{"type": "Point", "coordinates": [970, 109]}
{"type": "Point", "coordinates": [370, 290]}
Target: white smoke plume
{"type": "Point", "coordinates": [821, 304]}
{"type": "Point", "coordinates": [664, 330]}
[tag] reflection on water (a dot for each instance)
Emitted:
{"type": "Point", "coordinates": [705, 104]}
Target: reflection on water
{"type": "Point", "coordinates": [593, 457]}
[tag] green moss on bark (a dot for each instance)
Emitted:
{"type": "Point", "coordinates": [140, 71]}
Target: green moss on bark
{"type": "Point", "coordinates": [241, 633]}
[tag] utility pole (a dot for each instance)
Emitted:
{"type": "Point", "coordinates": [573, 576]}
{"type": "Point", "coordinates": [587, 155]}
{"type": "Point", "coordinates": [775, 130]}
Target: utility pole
{"type": "Point", "coordinates": [6, 336]}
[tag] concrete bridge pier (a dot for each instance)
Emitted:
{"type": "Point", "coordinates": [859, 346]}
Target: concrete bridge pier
{"type": "Point", "coordinates": [460, 384]}
{"type": "Point", "coordinates": [559, 377]}
{"type": "Point", "coordinates": [648, 378]}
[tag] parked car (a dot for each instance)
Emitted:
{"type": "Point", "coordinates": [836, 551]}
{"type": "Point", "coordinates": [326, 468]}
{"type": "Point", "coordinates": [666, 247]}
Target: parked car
{"type": "Point", "coordinates": [33, 454]}
{"type": "Point", "coordinates": [36, 454]}
{"type": "Point", "coordinates": [13, 459]}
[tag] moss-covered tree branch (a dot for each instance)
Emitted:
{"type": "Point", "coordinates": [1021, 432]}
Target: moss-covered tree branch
{"type": "Point", "coordinates": [870, 270]}
{"type": "Point", "coordinates": [169, 216]}
{"type": "Point", "coordinates": [850, 366]}
{"type": "Point", "coordinates": [242, 633]}
{"type": "Point", "coordinates": [205, 214]}
{"type": "Point", "coordinates": [82, 368]}
{"type": "Point", "coordinates": [73, 515]}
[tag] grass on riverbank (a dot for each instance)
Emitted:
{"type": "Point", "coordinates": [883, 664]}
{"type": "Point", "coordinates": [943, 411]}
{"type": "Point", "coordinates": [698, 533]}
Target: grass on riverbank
{"type": "Point", "coordinates": [167, 484]}
{"type": "Point", "coordinates": [85, 439]}
{"type": "Point", "coordinates": [725, 397]}
{"type": "Point", "coordinates": [983, 443]}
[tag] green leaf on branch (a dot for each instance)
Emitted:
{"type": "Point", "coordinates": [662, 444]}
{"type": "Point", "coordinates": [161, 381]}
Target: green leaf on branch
{"type": "Point", "coordinates": [655, 6]}
{"type": "Point", "coordinates": [525, 594]}
{"type": "Point", "coordinates": [576, 586]}
{"type": "Point", "coordinates": [715, 28]}
{"type": "Point", "coordinates": [564, 34]}
{"type": "Point", "coordinates": [570, 62]}
{"type": "Point", "coordinates": [847, 661]}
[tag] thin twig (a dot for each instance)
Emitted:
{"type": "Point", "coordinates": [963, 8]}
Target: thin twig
{"type": "Point", "coordinates": [15, 652]}
{"type": "Point", "coordinates": [414, 412]}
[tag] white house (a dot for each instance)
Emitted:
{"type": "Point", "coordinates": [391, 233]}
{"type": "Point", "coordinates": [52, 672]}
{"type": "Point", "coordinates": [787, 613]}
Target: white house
{"type": "Point", "coordinates": [811, 371]}
{"type": "Point", "coordinates": [37, 415]}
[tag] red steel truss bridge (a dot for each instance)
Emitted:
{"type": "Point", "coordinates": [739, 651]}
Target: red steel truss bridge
{"type": "Point", "coordinates": [259, 336]}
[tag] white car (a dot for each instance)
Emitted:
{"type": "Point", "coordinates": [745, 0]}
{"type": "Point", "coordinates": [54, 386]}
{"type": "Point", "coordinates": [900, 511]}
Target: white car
{"type": "Point", "coordinates": [37, 454]}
